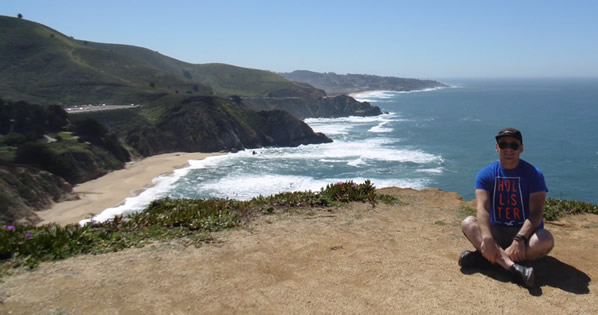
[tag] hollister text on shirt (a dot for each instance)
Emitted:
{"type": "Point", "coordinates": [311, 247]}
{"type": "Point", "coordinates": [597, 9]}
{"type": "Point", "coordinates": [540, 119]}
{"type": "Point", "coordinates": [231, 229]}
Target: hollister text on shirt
{"type": "Point", "coordinates": [508, 205]}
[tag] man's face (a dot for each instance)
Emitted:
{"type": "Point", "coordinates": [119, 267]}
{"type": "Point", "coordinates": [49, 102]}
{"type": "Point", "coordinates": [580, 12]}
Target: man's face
{"type": "Point", "coordinates": [509, 149]}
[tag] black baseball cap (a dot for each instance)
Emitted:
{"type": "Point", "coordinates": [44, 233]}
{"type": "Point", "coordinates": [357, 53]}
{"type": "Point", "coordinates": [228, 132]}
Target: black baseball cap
{"type": "Point", "coordinates": [509, 132]}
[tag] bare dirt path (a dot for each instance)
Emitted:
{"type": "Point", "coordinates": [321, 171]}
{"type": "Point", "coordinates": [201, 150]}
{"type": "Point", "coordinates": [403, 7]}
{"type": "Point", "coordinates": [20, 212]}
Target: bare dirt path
{"type": "Point", "coordinates": [355, 259]}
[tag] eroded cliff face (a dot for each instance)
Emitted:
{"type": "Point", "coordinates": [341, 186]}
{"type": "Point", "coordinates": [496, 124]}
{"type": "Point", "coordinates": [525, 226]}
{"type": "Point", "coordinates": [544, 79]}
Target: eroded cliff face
{"type": "Point", "coordinates": [281, 129]}
{"type": "Point", "coordinates": [211, 124]}
{"type": "Point", "coordinates": [24, 190]}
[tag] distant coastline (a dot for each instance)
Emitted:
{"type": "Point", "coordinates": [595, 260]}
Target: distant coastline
{"type": "Point", "coordinates": [334, 84]}
{"type": "Point", "coordinates": [365, 95]}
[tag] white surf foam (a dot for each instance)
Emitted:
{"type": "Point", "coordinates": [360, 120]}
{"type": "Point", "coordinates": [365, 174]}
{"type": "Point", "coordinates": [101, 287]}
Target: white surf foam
{"type": "Point", "coordinates": [159, 188]}
{"type": "Point", "coordinates": [332, 129]}
{"type": "Point", "coordinates": [437, 170]}
{"type": "Point", "coordinates": [380, 128]}
{"type": "Point", "coordinates": [373, 96]}
{"type": "Point", "coordinates": [380, 149]}
{"type": "Point", "coordinates": [386, 95]}
{"type": "Point", "coordinates": [357, 162]}
{"type": "Point", "coordinates": [250, 186]}
{"type": "Point", "coordinates": [318, 122]}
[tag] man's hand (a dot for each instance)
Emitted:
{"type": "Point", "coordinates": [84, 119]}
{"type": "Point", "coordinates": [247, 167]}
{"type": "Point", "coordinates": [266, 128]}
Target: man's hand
{"type": "Point", "coordinates": [490, 250]}
{"type": "Point", "coordinates": [517, 251]}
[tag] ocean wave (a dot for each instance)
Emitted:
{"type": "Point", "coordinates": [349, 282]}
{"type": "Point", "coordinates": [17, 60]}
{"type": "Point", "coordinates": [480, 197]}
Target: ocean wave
{"type": "Point", "coordinates": [332, 129]}
{"type": "Point", "coordinates": [357, 162]}
{"type": "Point", "coordinates": [160, 187]}
{"type": "Point", "coordinates": [468, 118]}
{"type": "Point", "coordinates": [380, 128]}
{"type": "Point", "coordinates": [332, 161]}
{"type": "Point", "coordinates": [387, 95]}
{"type": "Point", "coordinates": [437, 170]}
{"type": "Point", "coordinates": [373, 96]}
{"type": "Point", "coordinates": [350, 119]}
{"type": "Point", "coordinates": [373, 149]}
{"type": "Point", "coordinates": [378, 148]}
{"type": "Point", "coordinates": [253, 185]}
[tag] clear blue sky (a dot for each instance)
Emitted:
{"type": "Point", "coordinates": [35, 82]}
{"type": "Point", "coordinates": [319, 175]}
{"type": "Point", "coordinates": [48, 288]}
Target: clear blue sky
{"type": "Point", "coordinates": [418, 39]}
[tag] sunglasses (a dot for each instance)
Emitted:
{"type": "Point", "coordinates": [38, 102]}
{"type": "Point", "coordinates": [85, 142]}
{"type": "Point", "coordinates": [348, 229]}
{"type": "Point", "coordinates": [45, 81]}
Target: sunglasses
{"type": "Point", "coordinates": [513, 145]}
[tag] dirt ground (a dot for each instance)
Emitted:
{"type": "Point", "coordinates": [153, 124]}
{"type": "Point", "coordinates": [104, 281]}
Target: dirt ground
{"type": "Point", "coordinates": [354, 259]}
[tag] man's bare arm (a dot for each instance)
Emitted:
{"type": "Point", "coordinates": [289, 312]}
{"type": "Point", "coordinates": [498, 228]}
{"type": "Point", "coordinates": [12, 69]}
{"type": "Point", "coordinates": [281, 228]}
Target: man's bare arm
{"type": "Point", "coordinates": [488, 246]}
{"type": "Point", "coordinates": [536, 210]}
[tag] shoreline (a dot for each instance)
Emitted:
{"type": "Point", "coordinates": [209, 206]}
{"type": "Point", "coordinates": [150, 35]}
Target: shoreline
{"type": "Point", "coordinates": [115, 187]}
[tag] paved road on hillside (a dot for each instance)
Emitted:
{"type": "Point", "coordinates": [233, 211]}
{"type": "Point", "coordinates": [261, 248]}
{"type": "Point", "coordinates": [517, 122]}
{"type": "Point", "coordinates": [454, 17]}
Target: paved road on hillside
{"type": "Point", "coordinates": [96, 108]}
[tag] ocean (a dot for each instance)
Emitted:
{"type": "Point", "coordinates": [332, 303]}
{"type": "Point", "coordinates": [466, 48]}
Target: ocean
{"type": "Point", "coordinates": [436, 138]}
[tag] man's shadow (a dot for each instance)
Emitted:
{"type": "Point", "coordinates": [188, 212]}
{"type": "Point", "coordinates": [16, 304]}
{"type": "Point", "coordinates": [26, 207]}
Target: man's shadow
{"type": "Point", "coordinates": [549, 272]}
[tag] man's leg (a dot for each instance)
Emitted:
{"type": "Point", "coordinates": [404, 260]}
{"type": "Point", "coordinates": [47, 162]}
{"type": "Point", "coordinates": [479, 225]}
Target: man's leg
{"type": "Point", "coordinates": [522, 274]}
{"type": "Point", "coordinates": [540, 244]}
{"type": "Point", "coordinates": [470, 228]}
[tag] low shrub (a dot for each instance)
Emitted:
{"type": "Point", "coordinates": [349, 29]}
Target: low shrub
{"type": "Point", "coordinates": [163, 219]}
{"type": "Point", "coordinates": [555, 209]}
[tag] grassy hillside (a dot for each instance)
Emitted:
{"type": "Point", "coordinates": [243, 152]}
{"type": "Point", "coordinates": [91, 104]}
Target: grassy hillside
{"type": "Point", "coordinates": [42, 65]}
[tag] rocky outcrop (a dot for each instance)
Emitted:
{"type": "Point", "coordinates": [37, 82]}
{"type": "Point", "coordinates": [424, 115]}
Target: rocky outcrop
{"type": "Point", "coordinates": [209, 124]}
{"type": "Point", "coordinates": [282, 129]}
{"type": "Point", "coordinates": [323, 107]}
{"type": "Point", "coordinates": [24, 190]}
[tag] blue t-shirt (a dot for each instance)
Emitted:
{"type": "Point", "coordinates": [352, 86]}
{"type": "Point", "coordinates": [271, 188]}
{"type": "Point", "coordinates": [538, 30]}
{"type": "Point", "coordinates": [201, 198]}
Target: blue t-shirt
{"type": "Point", "coordinates": [510, 190]}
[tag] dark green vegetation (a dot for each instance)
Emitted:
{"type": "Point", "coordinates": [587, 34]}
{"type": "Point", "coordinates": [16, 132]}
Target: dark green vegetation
{"type": "Point", "coordinates": [42, 153]}
{"type": "Point", "coordinates": [334, 83]}
{"type": "Point", "coordinates": [45, 138]}
{"type": "Point", "coordinates": [336, 106]}
{"type": "Point", "coordinates": [203, 124]}
{"type": "Point", "coordinates": [164, 219]}
{"type": "Point", "coordinates": [555, 209]}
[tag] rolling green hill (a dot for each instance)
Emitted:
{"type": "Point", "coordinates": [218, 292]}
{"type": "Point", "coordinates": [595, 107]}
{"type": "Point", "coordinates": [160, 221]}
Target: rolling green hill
{"type": "Point", "coordinates": [42, 65]}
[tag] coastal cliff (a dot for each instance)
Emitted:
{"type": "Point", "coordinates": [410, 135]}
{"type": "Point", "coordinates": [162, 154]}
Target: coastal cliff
{"type": "Point", "coordinates": [203, 124]}
{"type": "Point", "coordinates": [24, 190]}
{"type": "Point", "coordinates": [323, 107]}
{"type": "Point", "coordinates": [85, 146]}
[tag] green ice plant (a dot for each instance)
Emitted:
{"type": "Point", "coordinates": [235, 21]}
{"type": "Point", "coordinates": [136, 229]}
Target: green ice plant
{"type": "Point", "coordinates": [557, 208]}
{"type": "Point", "coordinates": [163, 219]}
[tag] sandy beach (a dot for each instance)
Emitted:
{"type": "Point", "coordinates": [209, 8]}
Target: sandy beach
{"type": "Point", "coordinates": [113, 188]}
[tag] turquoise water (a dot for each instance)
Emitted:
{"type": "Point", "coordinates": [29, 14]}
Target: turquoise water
{"type": "Point", "coordinates": [557, 118]}
{"type": "Point", "coordinates": [438, 138]}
